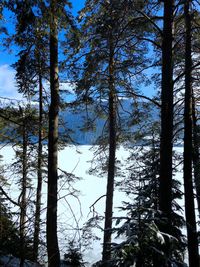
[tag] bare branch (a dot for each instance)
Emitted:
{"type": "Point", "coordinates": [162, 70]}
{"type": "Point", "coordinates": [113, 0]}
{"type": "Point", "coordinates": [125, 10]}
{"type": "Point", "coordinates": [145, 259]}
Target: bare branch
{"type": "Point", "coordinates": [9, 198]}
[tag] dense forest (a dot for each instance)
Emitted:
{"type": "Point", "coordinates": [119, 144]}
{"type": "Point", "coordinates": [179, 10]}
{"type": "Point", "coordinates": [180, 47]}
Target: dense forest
{"type": "Point", "coordinates": [109, 74]}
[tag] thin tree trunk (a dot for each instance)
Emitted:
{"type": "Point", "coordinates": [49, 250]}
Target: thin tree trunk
{"type": "Point", "coordinates": [166, 143]}
{"type": "Point", "coordinates": [23, 203]}
{"type": "Point", "coordinates": [106, 255]}
{"type": "Point", "coordinates": [196, 156]}
{"type": "Point", "coordinates": [187, 169]}
{"type": "Point", "coordinates": [39, 175]}
{"type": "Point", "coordinates": [52, 239]}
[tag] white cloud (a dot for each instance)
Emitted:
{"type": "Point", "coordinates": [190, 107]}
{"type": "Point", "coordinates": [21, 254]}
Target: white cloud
{"type": "Point", "coordinates": [7, 82]}
{"type": "Point", "coordinates": [8, 88]}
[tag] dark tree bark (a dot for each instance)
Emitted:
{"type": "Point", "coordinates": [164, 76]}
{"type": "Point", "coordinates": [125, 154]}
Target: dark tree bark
{"type": "Point", "coordinates": [166, 136]}
{"type": "Point", "coordinates": [52, 239]}
{"type": "Point", "coordinates": [106, 255]}
{"type": "Point", "coordinates": [23, 202]}
{"type": "Point", "coordinates": [187, 168]}
{"type": "Point", "coordinates": [39, 175]}
{"type": "Point", "coordinates": [166, 143]}
{"type": "Point", "coordinates": [196, 156]}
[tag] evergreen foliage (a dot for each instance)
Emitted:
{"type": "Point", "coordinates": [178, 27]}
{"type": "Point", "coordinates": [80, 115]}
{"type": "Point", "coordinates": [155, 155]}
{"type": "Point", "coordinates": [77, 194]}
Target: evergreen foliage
{"type": "Point", "coordinates": [109, 56]}
{"type": "Point", "coordinates": [73, 256]}
{"type": "Point", "coordinates": [9, 230]}
{"type": "Point", "coordinates": [145, 243]}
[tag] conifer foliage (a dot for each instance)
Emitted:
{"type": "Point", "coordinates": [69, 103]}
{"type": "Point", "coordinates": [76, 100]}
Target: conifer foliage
{"type": "Point", "coordinates": [132, 68]}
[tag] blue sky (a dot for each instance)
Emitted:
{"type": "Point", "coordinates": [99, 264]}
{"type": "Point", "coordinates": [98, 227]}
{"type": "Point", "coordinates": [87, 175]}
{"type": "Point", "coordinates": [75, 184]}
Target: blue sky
{"type": "Point", "coordinates": [7, 58]}
{"type": "Point", "coordinates": [7, 74]}
{"type": "Point", "coordinates": [77, 5]}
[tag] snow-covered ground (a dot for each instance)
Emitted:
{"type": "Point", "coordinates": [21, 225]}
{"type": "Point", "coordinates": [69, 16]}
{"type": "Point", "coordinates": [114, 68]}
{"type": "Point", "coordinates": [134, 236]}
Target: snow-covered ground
{"type": "Point", "coordinates": [10, 261]}
{"type": "Point", "coordinates": [75, 209]}
{"type": "Point", "coordinates": [78, 161]}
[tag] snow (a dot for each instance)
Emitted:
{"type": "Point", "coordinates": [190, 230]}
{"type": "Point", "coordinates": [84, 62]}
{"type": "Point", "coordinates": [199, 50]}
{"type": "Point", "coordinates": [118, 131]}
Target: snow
{"type": "Point", "coordinates": [75, 209]}
{"type": "Point", "coordinates": [77, 160]}
{"type": "Point", "coordinates": [11, 261]}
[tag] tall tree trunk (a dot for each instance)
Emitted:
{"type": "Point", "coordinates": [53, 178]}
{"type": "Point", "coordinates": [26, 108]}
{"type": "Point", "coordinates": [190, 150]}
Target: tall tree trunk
{"type": "Point", "coordinates": [106, 255]}
{"type": "Point", "coordinates": [23, 203]}
{"type": "Point", "coordinates": [52, 239]}
{"type": "Point", "coordinates": [187, 169]}
{"type": "Point", "coordinates": [166, 142]}
{"type": "Point", "coordinates": [196, 156]}
{"type": "Point", "coordinates": [39, 175]}
{"type": "Point", "coordinates": [166, 137]}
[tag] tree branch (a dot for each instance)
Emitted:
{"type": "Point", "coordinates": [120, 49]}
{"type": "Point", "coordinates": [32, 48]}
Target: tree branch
{"type": "Point", "coordinates": [10, 199]}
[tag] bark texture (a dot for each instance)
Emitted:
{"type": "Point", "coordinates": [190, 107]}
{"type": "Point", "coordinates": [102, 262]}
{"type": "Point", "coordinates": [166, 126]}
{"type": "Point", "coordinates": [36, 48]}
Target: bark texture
{"type": "Point", "coordinates": [39, 176]}
{"type": "Point", "coordinates": [187, 168]}
{"type": "Point", "coordinates": [23, 202]}
{"type": "Point", "coordinates": [52, 239]}
{"type": "Point", "coordinates": [196, 156]}
{"type": "Point", "coordinates": [166, 136]}
{"type": "Point", "coordinates": [166, 143]}
{"type": "Point", "coordinates": [106, 255]}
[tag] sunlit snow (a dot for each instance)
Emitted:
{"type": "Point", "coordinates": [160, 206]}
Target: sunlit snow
{"type": "Point", "coordinates": [74, 211]}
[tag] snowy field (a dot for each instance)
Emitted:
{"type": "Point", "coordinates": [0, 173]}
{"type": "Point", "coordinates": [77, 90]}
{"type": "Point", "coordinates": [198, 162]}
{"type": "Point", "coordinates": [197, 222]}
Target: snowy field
{"type": "Point", "coordinates": [78, 161]}
{"type": "Point", "coordinates": [75, 209]}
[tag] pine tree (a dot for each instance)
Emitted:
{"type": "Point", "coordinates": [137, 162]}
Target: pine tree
{"type": "Point", "coordinates": [8, 232]}
{"type": "Point", "coordinates": [109, 38]}
{"type": "Point", "coordinates": [39, 173]}
{"type": "Point", "coordinates": [166, 139]}
{"type": "Point", "coordinates": [58, 17]}
{"type": "Point", "coordinates": [52, 240]}
{"type": "Point", "coordinates": [22, 168]}
{"type": "Point", "coordinates": [73, 256]}
{"type": "Point", "coordinates": [31, 69]}
{"type": "Point", "coordinates": [196, 147]}
{"type": "Point", "coordinates": [194, 16]}
{"type": "Point", "coordinates": [165, 199]}
{"type": "Point", "coordinates": [187, 164]}
{"type": "Point", "coordinates": [145, 243]}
